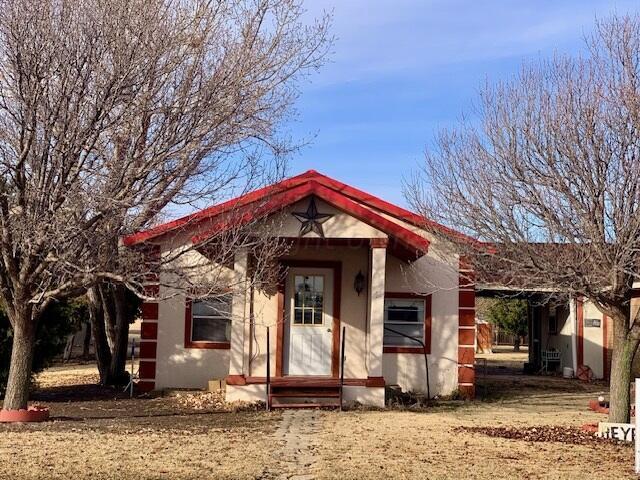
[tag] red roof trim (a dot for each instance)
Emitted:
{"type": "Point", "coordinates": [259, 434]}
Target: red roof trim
{"type": "Point", "coordinates": [207, 213]}
{"type": "Point", "coordinates": [408, 238]}
{"type": "Point", "coordinates": [342, 202]}
{"type": "Point", "coordinates": [347, 195]}
{"type": "Point", "coordinates": [386, 207]}
{"type": "Point", "coordinates": [273, 204]}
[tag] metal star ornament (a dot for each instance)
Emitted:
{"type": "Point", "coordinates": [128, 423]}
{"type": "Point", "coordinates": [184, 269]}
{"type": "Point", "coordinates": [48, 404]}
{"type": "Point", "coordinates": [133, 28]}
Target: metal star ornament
{"type": "Point", "coordinates": [312, 220]}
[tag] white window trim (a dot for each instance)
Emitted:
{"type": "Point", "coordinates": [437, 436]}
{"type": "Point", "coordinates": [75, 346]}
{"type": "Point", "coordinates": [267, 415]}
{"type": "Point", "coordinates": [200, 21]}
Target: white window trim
{"type": "Point", "coordinates": [421, 322]}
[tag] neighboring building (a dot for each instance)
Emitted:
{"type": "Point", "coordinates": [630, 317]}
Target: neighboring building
{"type": "Point", "coordinates": [573, 333]}
{"type": "Point", "coordinates": [577, 330]}
{"type": "Point", "coordinates": [356, 262]}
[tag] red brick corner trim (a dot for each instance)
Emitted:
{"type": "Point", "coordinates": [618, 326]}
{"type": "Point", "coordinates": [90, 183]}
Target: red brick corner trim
{"type": "Point", "coordinates": [466, 330]}
{"type": "Point", "coordinates": [149, 331]}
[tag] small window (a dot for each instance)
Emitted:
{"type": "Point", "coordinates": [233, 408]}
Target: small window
{"type": "Point", "coordinates": [308, 304]}
{"type": "Point", "coordinates": [211, 319]}
{"type": "Point", "coordinates": [403, 321]}
{"type": "Point", "coordinates": [553, 325]}
{"type": "Point", "coordinates": [592, 322]}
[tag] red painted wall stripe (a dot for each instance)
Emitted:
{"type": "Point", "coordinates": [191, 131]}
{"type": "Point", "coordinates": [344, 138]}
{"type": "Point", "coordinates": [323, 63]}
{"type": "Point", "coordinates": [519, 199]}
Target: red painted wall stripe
{"type": "Point", "coordinates": [150, 311]}
{"type": "Point", "coordinates": [466, 355]}
{"type": "Point", "coordinates": [146, 385]}
{"type": "Point", "coordinates": [467, 318]}
{"type": "Point", "coordinates": [467, 299]}
{"type": "Point", "coordinates": [466, 329]}
{"type": "Point", "coordinates": [466, 374]}
{"type": "Point", "coordinates": [149, 331]}
{"type": "Point", "coordinates": [148, 350]}
{"type": "Point", "coordinates": [147, 369]}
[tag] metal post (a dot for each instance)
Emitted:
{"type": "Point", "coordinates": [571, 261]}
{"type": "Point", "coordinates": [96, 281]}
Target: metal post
{"type": "Point", "coordinates": [268, 373]}
{"type": "Point", "coordinates": [344, 334]}
{"type": "Point", "coordinates": [133, 356]}
{"type": "Point", "coordinates": [130, 385]}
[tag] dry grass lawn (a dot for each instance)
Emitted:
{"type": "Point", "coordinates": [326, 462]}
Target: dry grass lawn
{"type": "Point", "coordinates": [425, 445]}
{"type": "Point", "coordinates": [94, 436]}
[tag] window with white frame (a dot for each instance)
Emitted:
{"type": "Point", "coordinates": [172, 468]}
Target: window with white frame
{"type": "Point", "coordinates": [211, 319]}
{"type": "Point", "coordinates": [403, 321]}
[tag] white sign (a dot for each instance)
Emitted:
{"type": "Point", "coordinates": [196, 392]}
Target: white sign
{"type": "Point", "coordinates": [637, 425]}
{"type": "Point", "coordinates": [617, 431]}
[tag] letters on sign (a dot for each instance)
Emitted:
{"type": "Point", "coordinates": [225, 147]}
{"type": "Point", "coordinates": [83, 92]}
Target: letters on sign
{"type": "Point", "coordinates": [617, 431]}
{"type": "Point", "coordinates": [592, 322]}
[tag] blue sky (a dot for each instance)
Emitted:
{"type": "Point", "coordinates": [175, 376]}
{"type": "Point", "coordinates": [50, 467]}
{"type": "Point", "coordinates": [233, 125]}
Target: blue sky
{"type": "Point", "coordinates": [403, 69]}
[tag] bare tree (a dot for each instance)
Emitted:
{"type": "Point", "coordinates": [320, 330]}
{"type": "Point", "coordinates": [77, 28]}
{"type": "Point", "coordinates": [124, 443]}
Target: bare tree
{"type": "Point", "coordinates": [112, 111]}
{"type": "Point", "coordinates": [549, 174]}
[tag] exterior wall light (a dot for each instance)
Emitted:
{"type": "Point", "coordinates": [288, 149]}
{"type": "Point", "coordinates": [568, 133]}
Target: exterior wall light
{"type": "Point", "coordinates": [358, 283]}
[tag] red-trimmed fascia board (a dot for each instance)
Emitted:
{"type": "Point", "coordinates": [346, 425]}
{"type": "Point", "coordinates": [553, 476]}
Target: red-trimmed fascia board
{"type": "Point", "coordinates": [242, 217]}
{"type": "Point", "coordinates": [336, 199]}
{"type": "Point", "coordinates": [208, 213]}
{"type": "Point", "coordinates": [283, 186]}
{"type": "Point", "coordinates": [386, 207]}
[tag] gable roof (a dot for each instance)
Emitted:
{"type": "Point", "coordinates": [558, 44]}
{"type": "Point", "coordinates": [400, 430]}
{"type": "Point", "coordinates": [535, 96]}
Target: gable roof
{"type": "Point", "coordinates": [273, 198]}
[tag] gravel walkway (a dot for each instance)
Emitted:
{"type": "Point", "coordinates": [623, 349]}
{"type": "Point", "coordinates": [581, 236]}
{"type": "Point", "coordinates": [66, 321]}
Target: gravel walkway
{"type": "Point", "coordinates": [298, 434]}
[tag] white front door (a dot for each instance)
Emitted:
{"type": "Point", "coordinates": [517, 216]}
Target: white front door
{"type": "Point", "coordinates": [309, 308]}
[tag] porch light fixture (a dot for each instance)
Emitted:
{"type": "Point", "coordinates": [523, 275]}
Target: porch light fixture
{"type": "Point", "coordinates": [358, 283]}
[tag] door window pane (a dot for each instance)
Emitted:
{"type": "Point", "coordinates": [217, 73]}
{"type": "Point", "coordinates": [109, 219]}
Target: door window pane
{"type": "Point", "coordinates": [308, 300]}
{"type": "Point", "coordinates": [307, 314]}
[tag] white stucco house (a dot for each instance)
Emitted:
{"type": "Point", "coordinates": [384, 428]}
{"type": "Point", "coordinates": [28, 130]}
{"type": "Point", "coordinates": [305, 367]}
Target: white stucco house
{"type": "Point", "coordinates": [357, 265]}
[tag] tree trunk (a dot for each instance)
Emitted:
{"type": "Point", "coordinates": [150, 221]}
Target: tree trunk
{"type": "Point", "coordinates": [118, 374]}
{"type": "Point", "coordinates": [516, 343]}
{"type": "Point", "coordinates": [624, 348]}
{"type": "Point", "coordinates": [86, 342]}
{"type": "Point", "coordinates": [109, 313]}
{"type": "Point", "coordinates": [68, 349]}
{"type": "Point", "coordinates": [100, 343]}
{"type": "Point", "coordinates": [24, 334]}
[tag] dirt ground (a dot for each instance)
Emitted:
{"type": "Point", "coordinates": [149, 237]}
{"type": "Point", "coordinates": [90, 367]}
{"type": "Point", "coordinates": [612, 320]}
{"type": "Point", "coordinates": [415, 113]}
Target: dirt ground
{"type": "Point", "coordinates": [97, 434]}
{"type": "Point", "coordinates": [502, 359]}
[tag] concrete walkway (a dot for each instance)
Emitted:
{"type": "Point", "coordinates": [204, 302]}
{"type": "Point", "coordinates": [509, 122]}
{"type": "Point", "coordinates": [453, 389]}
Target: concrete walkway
{"type": "Point", "coordinates": [298, 435]}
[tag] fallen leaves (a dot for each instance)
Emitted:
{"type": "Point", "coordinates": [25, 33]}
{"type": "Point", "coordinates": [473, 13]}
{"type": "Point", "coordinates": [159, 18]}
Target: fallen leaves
{"type": "Point", "coordinates": [214, 401]}
{"type": "Point", "coordinates": [202, 401]}
{"type": "Point", "coordinates": [545, 433]}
